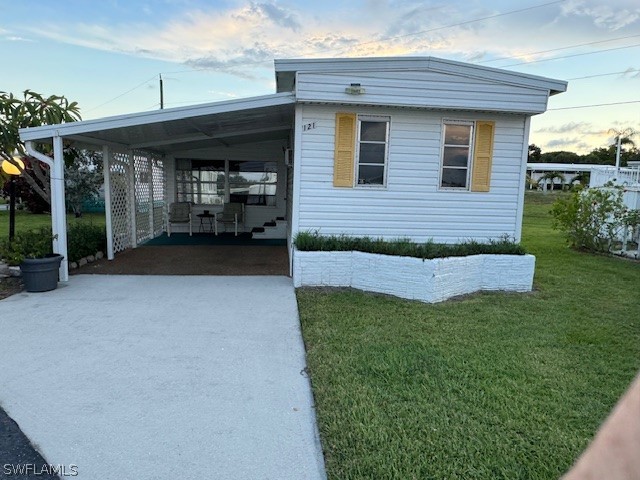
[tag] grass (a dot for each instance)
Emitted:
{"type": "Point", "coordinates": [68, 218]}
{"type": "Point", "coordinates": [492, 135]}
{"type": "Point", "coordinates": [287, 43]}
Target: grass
{"type": "Point", "coordinates": [29, 221]}
{"type": "Point", "coordinates": [509, 386]}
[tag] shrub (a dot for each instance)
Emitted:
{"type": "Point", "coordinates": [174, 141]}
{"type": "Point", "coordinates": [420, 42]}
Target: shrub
{"type": "Point", "coordinates": [28, 244]}
{"type": "Point", "coordinates": [85, 239]}
{"type": "Point", "coordinates": [592, 219]}
{"type": "Point", "coordinates": [82, 239]}
{"type": "Point", "coordinates": [313, 241]}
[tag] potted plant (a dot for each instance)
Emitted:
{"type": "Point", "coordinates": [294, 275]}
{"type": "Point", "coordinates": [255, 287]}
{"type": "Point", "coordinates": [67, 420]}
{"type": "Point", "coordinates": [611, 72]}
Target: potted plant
{"type": "Point", "coordinates": [32, 251]}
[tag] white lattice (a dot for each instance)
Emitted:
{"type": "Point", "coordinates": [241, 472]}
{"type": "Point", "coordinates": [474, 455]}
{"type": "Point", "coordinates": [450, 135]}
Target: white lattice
{"type": "Point", "coordinates": [137, 193]}
{"type": "Point", "coordinates": [143, 187]}
{"type": "Point", "coordinates": [158, 191]}
{"type": "Point", "coordinates": [149, 195]}
{"type": "Point", "coordinates": [119, 171]}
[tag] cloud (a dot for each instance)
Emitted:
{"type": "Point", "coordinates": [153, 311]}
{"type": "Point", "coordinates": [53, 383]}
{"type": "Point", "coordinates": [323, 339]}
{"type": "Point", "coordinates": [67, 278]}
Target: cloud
{"type": "Point", "coordinates": [562, 142]}
{"type": "Point", "coordinates": [276, 14]}
{"type": "Point", "coordinates": [328, 42]}
{"type": "Point", "coordinates": [218, 93]}
{"type": "Point", "coordinates": [604, 15]}
{"type": "Point", "coordinates": [631, 73]}
{"type": "Point", "coordinates": [14, 38]}
{"type": "Point", "coordinates": [9, 36]}
{"type": "Point", "coordinates": [582, 128]}
{"type": "Point", "coordinates": [243, 39]}
{"type": "Point", "coordinates": [239, 63]}
{"type": "Point", "coordinates": [414, 19]}
{"type": "Point", "coordinates": [476, 56]}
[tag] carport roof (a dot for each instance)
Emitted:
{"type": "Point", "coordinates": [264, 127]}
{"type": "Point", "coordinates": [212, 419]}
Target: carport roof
{"type": "Point", "coordinates": [253, 119]}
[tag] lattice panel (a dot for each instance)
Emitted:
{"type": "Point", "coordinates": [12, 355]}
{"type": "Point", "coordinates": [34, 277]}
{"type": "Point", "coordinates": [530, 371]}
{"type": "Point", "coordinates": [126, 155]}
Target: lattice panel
{"type": "Point", "coordinates": [158, 190]}
{"type": "Point", "coordinates": [143, 193]}
{"type": "Point", "coordinates": [119, 169]}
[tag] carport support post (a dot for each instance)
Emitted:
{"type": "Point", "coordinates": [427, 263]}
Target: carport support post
{"type": "Point", "coordinates": [106, 153]}
{"type": "Point", "coordinates": [58, 208]}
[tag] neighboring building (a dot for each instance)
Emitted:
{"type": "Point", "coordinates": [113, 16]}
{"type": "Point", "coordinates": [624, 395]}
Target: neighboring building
{"type": "Point", "coordinates": [419, 148]}
{"type": "Point", "coordinates": [569, 171]}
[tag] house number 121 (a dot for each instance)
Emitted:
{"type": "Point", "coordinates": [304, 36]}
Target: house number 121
{"type": "Point", "coordinates": [308, 126]}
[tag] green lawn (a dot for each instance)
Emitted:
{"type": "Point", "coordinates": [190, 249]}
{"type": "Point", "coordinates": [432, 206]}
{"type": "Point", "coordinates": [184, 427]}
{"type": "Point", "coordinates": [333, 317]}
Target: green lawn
{"type": "Point", "coordinates": [30, 221]}
{"type": "Point", "coordinates": [509, 386]}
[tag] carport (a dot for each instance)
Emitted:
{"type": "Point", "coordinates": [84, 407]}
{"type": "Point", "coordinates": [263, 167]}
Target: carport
{"type": "Point", "coordinates": [139, 156]}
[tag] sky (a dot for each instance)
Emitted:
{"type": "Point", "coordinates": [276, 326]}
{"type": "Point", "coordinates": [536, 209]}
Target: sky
{"type": "Point", "coordinates": [108, 55]}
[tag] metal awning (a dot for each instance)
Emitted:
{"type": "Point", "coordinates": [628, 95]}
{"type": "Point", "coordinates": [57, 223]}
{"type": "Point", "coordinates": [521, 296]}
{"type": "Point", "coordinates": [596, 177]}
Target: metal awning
{"type": "Point", "coordinates": [247, 120]}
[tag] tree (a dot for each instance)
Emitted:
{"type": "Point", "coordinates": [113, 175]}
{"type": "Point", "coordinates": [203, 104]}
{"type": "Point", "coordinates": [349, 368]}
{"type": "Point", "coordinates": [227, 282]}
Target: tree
{"type": "Point", "coordinates": [32, 110]}
{"type": "Point", "coordinates": [622, 137]}
{"type": "Point", "coordinates": [534, 153]}
{"type": "Point", "coordinates": [582, 178]}
{"type": "Point", "coordinates": [82, 178]}
{"type": "Point", "coordinates": [560, 157]}
{"type": "Point", "coordinates": [551, 177]}
{"type": "Point", "coordinates": [27, 196]}
{"type": "Point", "coordinates": [593, 219]}
{"type": "Point", "coordinates": [602, 156]}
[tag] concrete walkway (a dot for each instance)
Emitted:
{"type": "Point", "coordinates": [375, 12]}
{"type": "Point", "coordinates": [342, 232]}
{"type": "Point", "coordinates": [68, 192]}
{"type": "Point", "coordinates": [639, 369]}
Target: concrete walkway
{"type": "Point", "coordinates": [156, 377]}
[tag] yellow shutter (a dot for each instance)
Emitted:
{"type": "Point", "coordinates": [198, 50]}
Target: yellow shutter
{"type": "Point", "coordinates": [343, 161]}
{"type": "Point", "coordinates": [482, 155]}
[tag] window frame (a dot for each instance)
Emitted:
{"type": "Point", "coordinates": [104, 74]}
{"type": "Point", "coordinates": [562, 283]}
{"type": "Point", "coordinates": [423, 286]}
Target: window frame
{"type": "Point", "coordinates": [372, 118]}
{"type": "Point", "coordinates": [190, 189]}
{"type": "Point", "coordinates": [443, 146]}
{"type": "Point", "coordinates": [195, 182]}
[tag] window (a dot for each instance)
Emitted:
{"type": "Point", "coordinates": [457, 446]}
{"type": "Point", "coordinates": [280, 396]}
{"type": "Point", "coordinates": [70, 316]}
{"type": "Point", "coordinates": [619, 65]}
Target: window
{"type": "Point", "coordinates": [373, 138]}
{"type": "Point", "coordinates": [200, 181]}
{"type": "Point", "coordinates": [456, 154]}
{"type": "Point", "coordinates": [253, 183]}
{"type": "Point", "coordinates": [218, 181]}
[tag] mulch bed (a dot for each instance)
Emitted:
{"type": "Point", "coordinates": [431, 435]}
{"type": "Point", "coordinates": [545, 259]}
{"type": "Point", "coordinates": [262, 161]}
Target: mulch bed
{"type": "Point", "coordinates": [9, 286]}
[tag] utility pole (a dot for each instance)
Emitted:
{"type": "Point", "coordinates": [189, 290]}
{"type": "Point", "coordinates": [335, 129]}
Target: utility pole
{"type": "Point", "coordinates": [161, 93]}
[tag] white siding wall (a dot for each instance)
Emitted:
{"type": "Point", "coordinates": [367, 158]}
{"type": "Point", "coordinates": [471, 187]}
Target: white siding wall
{"type": "Point", "coordinates": [411, 205]}
{"type": "Point", "coordinates": [428, 89]}
{"type": "Point", "coordinates": [267, 151]}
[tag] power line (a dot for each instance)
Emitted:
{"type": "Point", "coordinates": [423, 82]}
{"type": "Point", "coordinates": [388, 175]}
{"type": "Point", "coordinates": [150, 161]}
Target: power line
{"type": "Point", "coordinates": [121, 95]}
{"type": "Point", "coordinates": [511, 12]}
{"type": "Point", "coordinates": [629, 70]}
{"type": "Point", "coordinates": [560, 48]}
{"type": "Point", "coordinates": [569, 56]}
{"type": "Point", "coordinates": [593, 105]}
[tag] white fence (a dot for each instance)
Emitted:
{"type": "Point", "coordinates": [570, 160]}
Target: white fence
{"type": "Point", "coordinates": [622, 176]}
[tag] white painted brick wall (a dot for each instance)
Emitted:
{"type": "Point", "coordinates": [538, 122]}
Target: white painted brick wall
{"type": "Point", "coordinates": [412, 278]}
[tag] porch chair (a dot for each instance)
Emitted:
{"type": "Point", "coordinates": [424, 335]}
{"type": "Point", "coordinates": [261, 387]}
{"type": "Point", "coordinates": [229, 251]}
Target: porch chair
{"type": "Point", "coordinates": [232, 213]}
{"type": "Point", "coordinates": [179, 213]}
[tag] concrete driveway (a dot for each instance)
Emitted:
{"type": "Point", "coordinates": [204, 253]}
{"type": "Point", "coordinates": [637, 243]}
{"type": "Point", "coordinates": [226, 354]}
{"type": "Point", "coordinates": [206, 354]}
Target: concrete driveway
{"type": "Point", "coordinates": [157, 377]}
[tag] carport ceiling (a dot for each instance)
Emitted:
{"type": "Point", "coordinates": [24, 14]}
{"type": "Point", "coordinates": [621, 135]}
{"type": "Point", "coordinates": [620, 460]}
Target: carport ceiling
{"type": "Point", "coordinates": [228, 128]}
{"type": "Point", "coordinates": [231, 123]}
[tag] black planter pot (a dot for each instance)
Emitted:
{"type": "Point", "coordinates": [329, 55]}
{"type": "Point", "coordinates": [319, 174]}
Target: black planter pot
{"type": "Point", "coordinates": [41, 274]}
